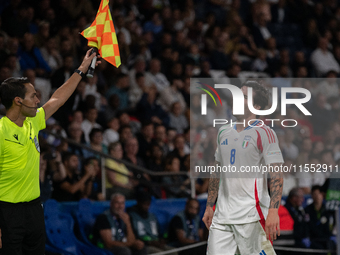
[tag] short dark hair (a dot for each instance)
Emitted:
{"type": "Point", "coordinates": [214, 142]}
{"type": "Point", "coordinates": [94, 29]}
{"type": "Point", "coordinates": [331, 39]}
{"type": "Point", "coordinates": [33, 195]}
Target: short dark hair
{"type": "Point", "coordinates": [261, 97]}
{"type": "Point", "coordinates": [138, 75]}
{"type": "Point", "coordinates": [88, 160]}
{"type": "Point", "coordinates": [192, 199]}
{"type": "Point", "coordinates": [94, 131]}
{"type": "Point", "coordinates": [316, 187]}
{"type": "Point", "coordinates": [67, 155]}
{"type": "Point", "coordinates": [12, 88]}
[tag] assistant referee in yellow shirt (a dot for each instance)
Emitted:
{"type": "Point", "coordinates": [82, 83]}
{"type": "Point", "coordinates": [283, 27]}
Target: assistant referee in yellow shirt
{"type": "Point", "coordinates": [21, 214]}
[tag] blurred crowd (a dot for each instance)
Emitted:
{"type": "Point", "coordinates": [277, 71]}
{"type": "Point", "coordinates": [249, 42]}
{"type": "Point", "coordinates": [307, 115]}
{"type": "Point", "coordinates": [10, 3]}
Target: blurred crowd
{"type": "Point", "coordinates": [140, 112]}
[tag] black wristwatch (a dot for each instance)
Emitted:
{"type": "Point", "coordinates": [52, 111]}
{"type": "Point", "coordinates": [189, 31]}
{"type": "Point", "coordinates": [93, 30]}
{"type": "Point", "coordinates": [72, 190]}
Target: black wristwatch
{"type": "Point", "coordinates": [80, 73]}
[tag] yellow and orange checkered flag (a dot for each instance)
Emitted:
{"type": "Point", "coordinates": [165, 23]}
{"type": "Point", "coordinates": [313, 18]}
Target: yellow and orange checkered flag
{"type": "Point", "coordinates": [102, 35]}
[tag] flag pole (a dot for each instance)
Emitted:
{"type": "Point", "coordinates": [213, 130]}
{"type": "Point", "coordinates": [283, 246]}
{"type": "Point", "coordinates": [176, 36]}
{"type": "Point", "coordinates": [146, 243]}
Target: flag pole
{"type": "Point", "coordinates": [90, 71]}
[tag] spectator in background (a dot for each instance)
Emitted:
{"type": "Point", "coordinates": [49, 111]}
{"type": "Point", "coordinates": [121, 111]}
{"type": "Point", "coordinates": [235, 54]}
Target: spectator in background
{"type": "Point", "coordinates": [112, 230]}
{"type": "Point", "coordinates": [289, 179]}
{"type": "Point", "coordinates": [15, 19]}
{"type": "Point", "coordinates": [294, 206]}
{"type": "Point", "coordinates": [184, 228]}
{"type": "Point", "coordinates": [73, 187]}
{"type": "Point", "coordinates": [76, 134]}
{"type": "Point", "coordinates": [121, 90]}
{"type": "Point", "coordinates": [260, 31]}
{"type": "Point", "coordinates": [289, 149]}
{"type": "Point", "coordinates": [154, 25]}
{"type": "Point", "coordinates": [145, 225]}
{"type": "Point", "coordinates": [145, 139]}
{"type": "Point", "coordinates": [51, 170]}
{"type": "Point", "coordinates": [320, 222]}
{"type": "Point", "coordinates": [154, 76]}
{"type": "Point", "coordinates": [96, 143]}
{"type": "Point", "coordinates": [328, 87]}
{"type": "Point", "coordinates": [321, 113]}
{"type": "Point", "coordinates": [280, 12]}
{"type": "Point", "coordinates": [31, 58]}
{"type": "Point", "coordinates": [126, 120]}
{"type": "Point", "coordinates": [5, 73]}
{"type": "Point", "coordinates": [138, 67]}
{"type": "Point", "coordinates": [12, 62]}
{"type": "Point", "coordinates": [177, 119]}
{"type": "Point", "coordinates": [246, 43]}
{"type": "Point", "coordinates": [312, 34]}
{"type": "Point", "coordinates": [43, 33]}
{"type": "Point", "coordinates": [111, 134]}
{"type": "Point", "coordinates": [172, 94]}
{"type": "Point", "coordinates": [51, 55]}
{"type": "Point", "coordinates": [94, 191]}
{"type": "Point", "coordinates": [174, 184]}
{"type": "Point", "coordinates": [155, 161]}
{"type": "Point", "coordinates": [89, 123]}
{"type": "Point", "coordinates": [160, 138]}
{"type": "Point", "coordinates": [91, 89]}
{"type": "Point", "coordinates": [118, 180]}
{"type": "Point", "coordinates": [219, 59]}
{"type": "Point", "coordinates": [125, 133]}
{"type": "Point", "coordinates": [149, 110]}
{"type": "Point", "coordinates": [260, 63]}
{"type": "Point", "coordinates": [64, 72]}
{"type": "Point", "coordinates": [323, 60]}
{"type": "Point", "coordinates": [135, 94]}
{"type": "Point", "coordinates": [131, 147]}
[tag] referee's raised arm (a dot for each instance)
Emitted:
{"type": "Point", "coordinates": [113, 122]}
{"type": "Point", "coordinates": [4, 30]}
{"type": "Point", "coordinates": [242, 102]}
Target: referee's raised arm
{"type": "Point", "coordinates": [63, 93]}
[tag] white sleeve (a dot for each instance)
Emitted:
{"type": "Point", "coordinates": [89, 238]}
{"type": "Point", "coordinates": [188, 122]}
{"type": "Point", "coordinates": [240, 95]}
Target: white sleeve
{"type": "Point", "coordinates": [218, 157]}
{"type": "Point", "coordinates": [271, 151]}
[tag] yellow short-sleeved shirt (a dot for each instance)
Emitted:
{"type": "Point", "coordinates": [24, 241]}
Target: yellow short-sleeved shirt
{"type": "Point", "coordinates": [19, 158]}
{"type": "Point", "coordinates": [121, 168]}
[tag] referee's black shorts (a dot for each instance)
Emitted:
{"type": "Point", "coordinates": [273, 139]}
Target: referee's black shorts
{"type": "Point", "coordinates": [22, 228]}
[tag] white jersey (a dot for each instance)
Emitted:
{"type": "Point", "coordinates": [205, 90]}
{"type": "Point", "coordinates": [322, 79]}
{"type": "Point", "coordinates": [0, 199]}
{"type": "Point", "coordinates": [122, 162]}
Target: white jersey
{"type": "Point", "coordinates": [244, 200]}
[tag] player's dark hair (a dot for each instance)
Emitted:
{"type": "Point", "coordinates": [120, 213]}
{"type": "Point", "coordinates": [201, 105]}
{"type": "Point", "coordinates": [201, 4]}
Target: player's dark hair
{"type": "Point", "coordinates": [261, 97]}
{"type": "Point", "coordinates": [12, 88]}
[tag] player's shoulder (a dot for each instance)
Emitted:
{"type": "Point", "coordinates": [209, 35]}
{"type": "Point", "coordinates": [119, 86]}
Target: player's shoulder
{"type": "Point", "coordinates": [266, 132]}
{"type": "Point", "coordinates": [225, 127]}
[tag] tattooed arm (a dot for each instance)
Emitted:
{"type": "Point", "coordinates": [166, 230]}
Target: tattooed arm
{"type": "Point", "coordinates": [214, 182]}
{"type": "Point", "coordinates": [275, 189]}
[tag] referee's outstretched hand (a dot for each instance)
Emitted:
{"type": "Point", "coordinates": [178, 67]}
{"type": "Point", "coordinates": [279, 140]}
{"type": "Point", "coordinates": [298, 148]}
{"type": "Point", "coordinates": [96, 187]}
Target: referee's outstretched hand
{"type": "Point", "coordinates": [87, 61]}
{"type": "Point", "coordinates": [207, 217]}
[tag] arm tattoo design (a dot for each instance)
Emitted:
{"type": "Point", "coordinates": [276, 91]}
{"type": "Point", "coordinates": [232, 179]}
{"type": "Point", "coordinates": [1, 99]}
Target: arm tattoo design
{"type": "Point", "coordinates": [275, 187]}
{"type": "Point", "coordinates": [214, 182]}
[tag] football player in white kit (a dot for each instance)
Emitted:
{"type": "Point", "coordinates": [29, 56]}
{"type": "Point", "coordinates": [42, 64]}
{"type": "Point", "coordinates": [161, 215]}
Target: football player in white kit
{"type": "Point", "coordinates": [246, 217]}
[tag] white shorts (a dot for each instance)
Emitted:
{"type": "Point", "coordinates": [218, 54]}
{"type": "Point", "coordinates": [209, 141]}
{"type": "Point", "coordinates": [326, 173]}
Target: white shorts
{"type": "Point", "coordinates": [244, 239]}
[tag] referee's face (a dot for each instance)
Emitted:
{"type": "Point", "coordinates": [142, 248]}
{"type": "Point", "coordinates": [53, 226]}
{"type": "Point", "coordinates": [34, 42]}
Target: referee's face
{"type": "Point", "coordinates": [30, 102]}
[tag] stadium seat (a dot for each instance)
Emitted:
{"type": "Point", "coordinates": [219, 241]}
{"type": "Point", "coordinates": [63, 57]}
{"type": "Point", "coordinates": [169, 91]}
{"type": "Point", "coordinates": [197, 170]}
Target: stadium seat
{"type": "Point", "coordinates": [52, 250]}
{"type": "Point", "coordinates": [59, 232]}
{"type": "Point", "coordinates": [85, 219]}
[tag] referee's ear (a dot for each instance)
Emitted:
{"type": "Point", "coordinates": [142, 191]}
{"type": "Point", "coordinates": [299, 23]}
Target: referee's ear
{"type": "Point", "coordinates": [17, 101]}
